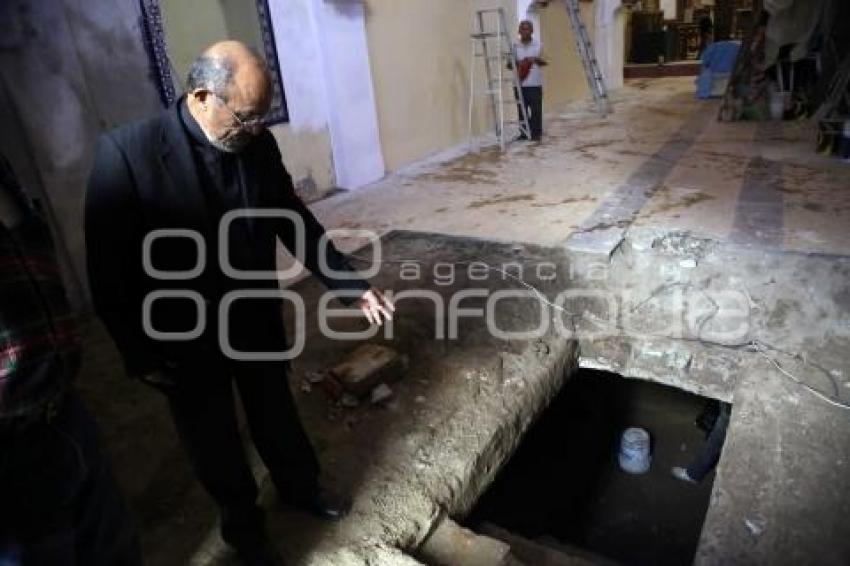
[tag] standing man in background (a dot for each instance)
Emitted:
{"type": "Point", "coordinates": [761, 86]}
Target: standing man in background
{"type": "Point", "coordinates": [529, 61]}
{"type": "Point", "coordinates": [58, 500]}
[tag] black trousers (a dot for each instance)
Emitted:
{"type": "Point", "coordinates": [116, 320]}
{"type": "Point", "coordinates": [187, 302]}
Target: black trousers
{"type": "Point", "coordinates": [533, 98]}
{"type": "Point", "coordinates": [59, 503]}
{"type": "Point", "coordinates": [710, 454]}
{"type": "Point", "coordinates": [204, 411]}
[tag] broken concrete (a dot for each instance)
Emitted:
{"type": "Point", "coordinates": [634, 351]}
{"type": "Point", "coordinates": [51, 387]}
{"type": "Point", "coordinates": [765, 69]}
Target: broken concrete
{"type": "Point", "coordinates": [462, 409]}
{"type": "Point", "coordinates": [780, 495]}
{"type": "Point", "coordinates": [429, 453]}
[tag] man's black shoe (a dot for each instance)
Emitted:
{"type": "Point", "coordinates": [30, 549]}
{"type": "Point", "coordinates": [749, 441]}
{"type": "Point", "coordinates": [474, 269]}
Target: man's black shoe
{"type": "Point", "coordinates": [325, 505]}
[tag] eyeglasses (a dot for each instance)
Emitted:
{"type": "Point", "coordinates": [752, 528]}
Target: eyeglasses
{"type": "Point", "coordinates": [252, 124]}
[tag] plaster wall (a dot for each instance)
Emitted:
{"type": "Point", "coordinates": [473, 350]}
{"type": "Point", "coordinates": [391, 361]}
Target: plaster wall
{"type": "Point", "coordinates": [305, 140]}
{"type": "Point", "coordinates": [349, 92]}
{"type": "Point", "coordinates": [72, 69]}
{"type": "Point", "coordinates": [563, 78]}
{"type": "Point", "coordinates": [69, 69]}
{"type": "Point", "coordinates": [420, 56]}
{"type": "Point", "coordinates": [332, 137]}
{"type": "Point", "coordinates": [610, 41]}
{"type": "Point", "coordinates": [189, 28]}
{"type": "Point", "coordinates": [332, 133]}
{"type": "Point", "coordinates": [607, 28]}
{"type": "Point", "coordinates": [524, 10]}
{"type": "Point", "coordinates": [191, 25]}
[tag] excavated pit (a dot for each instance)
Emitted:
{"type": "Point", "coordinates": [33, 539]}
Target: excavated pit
{"type": "Point", "coordinates": [563, 488]}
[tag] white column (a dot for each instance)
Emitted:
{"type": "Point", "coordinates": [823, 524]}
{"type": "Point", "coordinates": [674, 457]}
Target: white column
{"type": "Point", "coordinates": [523, 12]}
{"type": "Point", "coordinates": [609, 42]}
{"type": "Point", "coordinates": [324, 61]}
{"type": "Point", "coordinates": [300, 63]}
{"type": "Point", "coordinates": [352, 116]}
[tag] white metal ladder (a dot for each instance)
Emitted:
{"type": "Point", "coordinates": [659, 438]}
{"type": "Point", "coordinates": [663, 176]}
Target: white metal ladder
{"type": "Point", "coordinates": [495, 46]}
{"type": "Point", "coordinates": [588, 58]}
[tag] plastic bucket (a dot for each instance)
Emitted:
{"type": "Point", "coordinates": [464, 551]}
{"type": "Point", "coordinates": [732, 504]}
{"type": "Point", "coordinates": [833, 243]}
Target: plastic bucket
{"type": "Point", "coordinates": [634, 451]}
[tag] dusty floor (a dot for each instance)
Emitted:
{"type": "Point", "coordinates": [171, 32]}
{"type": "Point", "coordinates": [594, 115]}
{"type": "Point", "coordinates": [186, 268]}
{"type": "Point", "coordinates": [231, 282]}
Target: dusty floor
{"type": "Point", "coordinates": [673, 209]}
{"type": "Point", "coordinates": [661, 153]}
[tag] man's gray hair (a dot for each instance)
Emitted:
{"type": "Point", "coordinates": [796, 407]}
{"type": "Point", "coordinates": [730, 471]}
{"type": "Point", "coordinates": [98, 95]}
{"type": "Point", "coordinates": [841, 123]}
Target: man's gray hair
{"type": "Point", "coordinates": [211, 73]}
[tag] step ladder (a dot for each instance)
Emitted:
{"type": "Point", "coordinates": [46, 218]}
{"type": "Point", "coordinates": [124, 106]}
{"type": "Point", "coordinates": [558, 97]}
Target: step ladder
{"type": "Point", "coordinates": [588, 58]}
{"type": "Point", "coordinates": [492, 43]}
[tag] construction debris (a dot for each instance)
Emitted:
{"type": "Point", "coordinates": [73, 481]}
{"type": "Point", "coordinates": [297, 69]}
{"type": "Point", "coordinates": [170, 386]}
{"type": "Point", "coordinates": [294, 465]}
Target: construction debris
{"type": "Point", "coordinates": [368, 366]}
{"type": "Point", "coordinates": [381, 393]}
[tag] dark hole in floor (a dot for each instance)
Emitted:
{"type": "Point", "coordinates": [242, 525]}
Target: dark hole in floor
{"type": "Point", "coordinates": [564, 488]}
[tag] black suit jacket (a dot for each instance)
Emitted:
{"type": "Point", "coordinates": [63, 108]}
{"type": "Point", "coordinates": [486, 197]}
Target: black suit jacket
{"type": "Point", "coordinates": [145, 178]}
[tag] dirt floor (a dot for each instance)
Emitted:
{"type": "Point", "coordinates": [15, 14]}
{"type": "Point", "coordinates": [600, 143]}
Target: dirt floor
{"type": "Point", "coordinates": [718, 258]}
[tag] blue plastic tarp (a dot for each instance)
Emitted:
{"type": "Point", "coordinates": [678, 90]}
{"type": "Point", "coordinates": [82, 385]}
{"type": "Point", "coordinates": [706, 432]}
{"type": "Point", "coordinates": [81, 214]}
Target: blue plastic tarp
{"type": "Point", "coordinates": [718, 62]}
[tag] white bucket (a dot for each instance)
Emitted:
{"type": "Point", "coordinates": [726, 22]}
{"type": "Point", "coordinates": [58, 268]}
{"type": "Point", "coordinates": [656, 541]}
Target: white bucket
{"type": "Point", "coordinates": [634, 451]}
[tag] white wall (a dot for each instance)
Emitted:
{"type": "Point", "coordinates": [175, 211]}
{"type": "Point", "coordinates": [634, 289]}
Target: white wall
{"type": "Point", "coordinates": [609, 41]}
{"type": "Point", "coordinates": [607, 35]}
{"type": "Point", "coordinates": [69, 70]}
{"type": "Point", "coordinates": [324, 62]}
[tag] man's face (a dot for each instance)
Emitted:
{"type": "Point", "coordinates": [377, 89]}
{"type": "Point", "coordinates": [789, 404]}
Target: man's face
{"type": "Point", "coordinates": [525, 31]}
{"type": "Point", "coordinates": [231, 121]}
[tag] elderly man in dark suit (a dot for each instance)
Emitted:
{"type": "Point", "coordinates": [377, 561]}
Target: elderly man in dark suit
{"type": "Point", "coordinates": [189, 170]}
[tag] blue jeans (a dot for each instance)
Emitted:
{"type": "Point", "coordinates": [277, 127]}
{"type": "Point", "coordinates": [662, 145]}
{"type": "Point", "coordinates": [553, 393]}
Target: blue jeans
{"type": "Point", "coordinates": [59, 501]}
